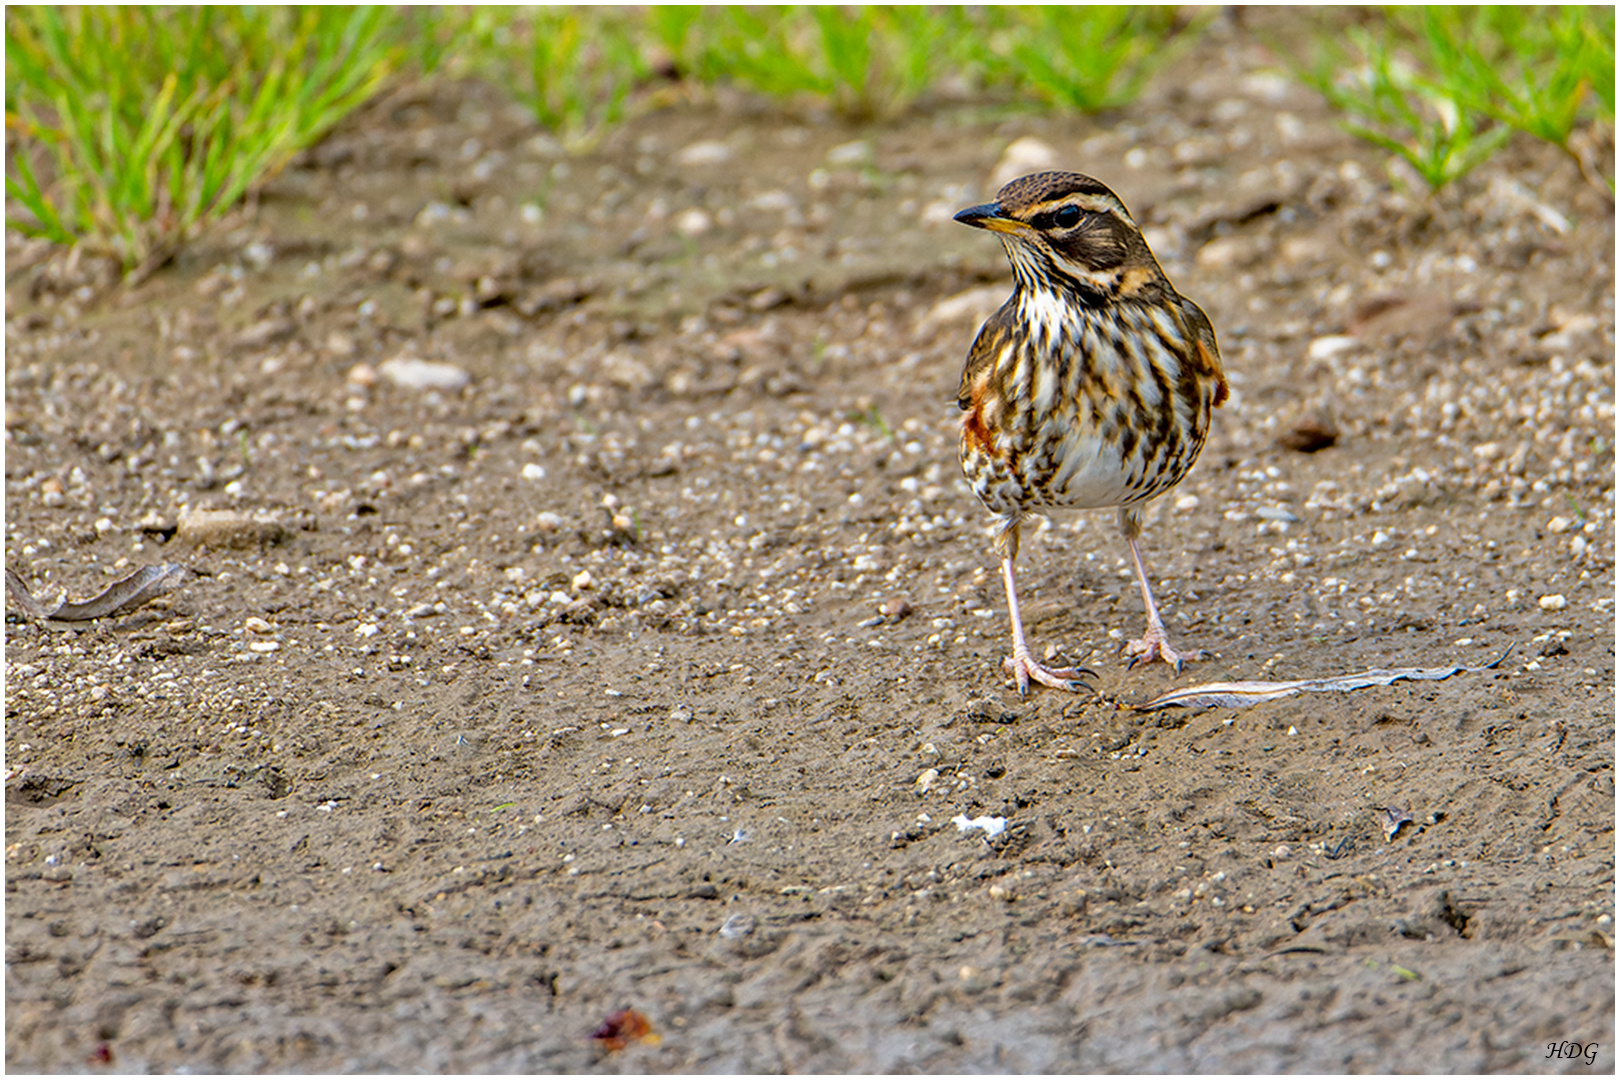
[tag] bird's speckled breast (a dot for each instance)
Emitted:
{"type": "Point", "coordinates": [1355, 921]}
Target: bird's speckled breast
{"type": "Point", "coordinates": [1124, 416]}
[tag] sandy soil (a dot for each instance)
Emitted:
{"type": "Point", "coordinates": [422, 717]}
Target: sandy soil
{"type": "Point", "coordinates": [651, 667]}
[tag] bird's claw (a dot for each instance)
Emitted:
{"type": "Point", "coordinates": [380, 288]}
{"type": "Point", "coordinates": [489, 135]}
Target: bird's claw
{"type": "Point", "coordinates": [1024, 670]}
{"type": "Point", "coordinates": [1145, 650]}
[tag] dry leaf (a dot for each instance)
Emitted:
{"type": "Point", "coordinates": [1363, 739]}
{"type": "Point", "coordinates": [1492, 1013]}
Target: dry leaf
{"type": "Point", "coordinates": [624, 1027]}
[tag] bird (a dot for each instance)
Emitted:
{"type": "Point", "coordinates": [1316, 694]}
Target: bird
{"type": "Point", "coordinates": [1092, 387]}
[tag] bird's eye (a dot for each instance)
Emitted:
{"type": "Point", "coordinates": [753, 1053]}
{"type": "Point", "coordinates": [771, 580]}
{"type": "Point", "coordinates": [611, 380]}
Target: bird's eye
{"type": "Point", "coordinates": [1067, 218]}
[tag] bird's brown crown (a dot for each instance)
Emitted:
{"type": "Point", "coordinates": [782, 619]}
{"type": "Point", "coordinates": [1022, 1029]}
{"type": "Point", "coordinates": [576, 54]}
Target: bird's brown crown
{"type": "Point", "coordinates": [1068, 227]}
{"type": "Point", "coordinates": [1079, 222]}
{"type": "Point", "coordinates": [1027, 194]}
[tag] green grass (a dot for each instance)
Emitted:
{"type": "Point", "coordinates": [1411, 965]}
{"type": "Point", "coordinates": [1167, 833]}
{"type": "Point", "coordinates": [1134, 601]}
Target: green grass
{"type": "Point", "coordinates": [132, 129]}
{"type": "Point", "coordinates": [1445, 87]}
{"type": "Point", "coordinates": [573, 68]}
{"type": "Point", "coordinates": [865, 62]}
{"type": "Point", "coordinates": [138, 126]}
{"type": "Point", "coordinates": [1079, 58]}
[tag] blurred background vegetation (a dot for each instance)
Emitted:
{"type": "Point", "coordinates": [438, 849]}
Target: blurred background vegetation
{"type": "Point", "coordinates": [128, 129]}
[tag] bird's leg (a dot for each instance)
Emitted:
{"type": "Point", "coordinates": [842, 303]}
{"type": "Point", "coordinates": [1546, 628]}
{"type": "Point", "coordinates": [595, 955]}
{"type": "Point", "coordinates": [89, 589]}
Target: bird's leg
{"type": "Point", "coordinates": [1022, 665]}
{"type": "Point", "coordinates": [1155, 644]}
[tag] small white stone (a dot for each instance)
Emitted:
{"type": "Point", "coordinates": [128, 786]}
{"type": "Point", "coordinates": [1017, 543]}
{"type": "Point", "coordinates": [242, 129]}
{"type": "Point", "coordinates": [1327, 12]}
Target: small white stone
{"type": "Point", "coordinates": [992, 826]}
{"type": "Point", "coordinates": [976, 304]}
{"type": "Point", "coordinates": [775, 199]}
{"type": "Point", "coordinates": [858, 152]}
{"type": "Point", "coordinates": [693, 222]}
{"type": "Point", "coordinates": [706, 152]}
{"type": "Point", "coordinates": [414, 374]}
{"type": "Point", "coordinates": [1559, 524]}
{"type": "Point", "coordinates": [532, 471]}
{"type": "Point", "coordinates": [1022, 157]}
{"type": "Point", "coordinates": [1555, 602]}
{"type": "Point", "coordinates": [1324, 348]}
{"type": "Point", "coordinates": [366, 629]}
{"type": "Point", "coordinates": [582, 580]}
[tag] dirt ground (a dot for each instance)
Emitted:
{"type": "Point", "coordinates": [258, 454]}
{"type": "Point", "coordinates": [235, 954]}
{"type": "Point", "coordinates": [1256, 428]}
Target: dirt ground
{"type": "Point", "coordinates": [650, 667]}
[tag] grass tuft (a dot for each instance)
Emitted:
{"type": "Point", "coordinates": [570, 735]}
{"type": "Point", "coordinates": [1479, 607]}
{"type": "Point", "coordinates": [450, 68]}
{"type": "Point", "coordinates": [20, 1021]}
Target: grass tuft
{"type": "Point", "coordinates": [1445, 87]}
{"type": "Point", "coordinates": [138, 126]}
{"type": "Point", "coordinates": [1080, 58]}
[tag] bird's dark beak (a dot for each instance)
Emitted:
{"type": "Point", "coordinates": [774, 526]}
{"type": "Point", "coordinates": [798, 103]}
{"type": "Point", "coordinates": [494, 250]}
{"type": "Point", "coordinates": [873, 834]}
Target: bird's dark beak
{"type": "Point", "coordinates": [988, 216]}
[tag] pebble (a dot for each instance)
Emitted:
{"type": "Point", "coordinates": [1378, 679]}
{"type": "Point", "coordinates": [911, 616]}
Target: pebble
{"type": "Point", "coordinates": [413, 374]}
{"type": "Point", "coordinates": [705, 152]}
{"type": "Point", "coordinates": [992, 826]}
{"type": "Point", "coordinates": [693, 222]}
{"type": "Point", "coordinates": [775, 199]}
{"type": "Point", "coordinates": [1555, 602]}
{"type": "Point", "coordinates": [1516, 195]}
{"type": "Point", "coordinates": [974, 305]}
{"type": "Point", "coordinates": [858, 152]}
{"type": "Point", "coordinates": [1228, 251]}
{"type": "Point", "coordinates": [1325, 348]}
{"type": "Point", "coordinates": [340, 345]}
{"type": "Point", "coordinates": [532, 471]}
{"type": "Point", "coordinates": [1022, 157]}
{"type": "Point", "coordinates": [227, 529]}
{"type": "Point", "coordinates": [265, 332]}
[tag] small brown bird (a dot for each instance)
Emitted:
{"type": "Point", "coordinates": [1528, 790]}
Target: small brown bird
{"type": "Point", "coordinates": [1092, 386]}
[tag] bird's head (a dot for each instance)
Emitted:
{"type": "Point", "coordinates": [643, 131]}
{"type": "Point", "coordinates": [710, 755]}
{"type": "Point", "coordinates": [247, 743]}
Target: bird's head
{"type": "Point", "coordinates": [1071, 225]}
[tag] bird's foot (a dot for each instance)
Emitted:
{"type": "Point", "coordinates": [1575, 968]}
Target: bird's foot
{"type": "Point", "coordinates": [1024, 669]}
{"type": "Point", "coordinates": [1155, 646]}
